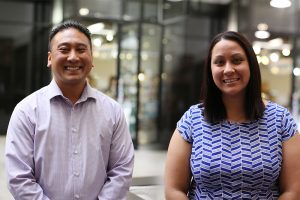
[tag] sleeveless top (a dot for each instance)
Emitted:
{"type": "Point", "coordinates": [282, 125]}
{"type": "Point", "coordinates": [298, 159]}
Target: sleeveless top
{"type": "Point", "coordinates": [236, 160]}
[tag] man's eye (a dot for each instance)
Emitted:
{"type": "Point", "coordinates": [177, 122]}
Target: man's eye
{"type": "Point", "coordinates": [63, 50]}
{"type": "Point", "coordinates": [81, 49]}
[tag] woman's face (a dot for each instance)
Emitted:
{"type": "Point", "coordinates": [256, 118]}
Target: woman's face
{"type": "Point", "coordinates": [230, 68]}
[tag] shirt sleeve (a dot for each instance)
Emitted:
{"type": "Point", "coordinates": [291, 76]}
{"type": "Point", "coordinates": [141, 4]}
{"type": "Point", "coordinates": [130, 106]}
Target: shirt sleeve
{"type": "Point", "coordinates": [289, 126]}
{"type": "Point", "coordinates": [184, 125]}
{"type": "Point", "coordinates": [121, 161]}
{"type": "Point", "coordinates": [19, 158]}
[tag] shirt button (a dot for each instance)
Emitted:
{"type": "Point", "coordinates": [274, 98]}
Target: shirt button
{"type": "Point", "coordinates": [75, 152]}
{"type": "Point", "coordinates": [76, 196]}
{"type": "Point", "coordinates": [74, 130]}
{"type": "Point", "coordinates": [76, 173]}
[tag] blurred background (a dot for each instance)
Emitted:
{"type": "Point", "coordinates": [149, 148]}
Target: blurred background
{"type": "Point", "coordinates": [148, 55]}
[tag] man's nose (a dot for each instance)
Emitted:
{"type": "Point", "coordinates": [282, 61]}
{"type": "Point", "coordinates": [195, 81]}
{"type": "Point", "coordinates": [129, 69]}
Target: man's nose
{"type": "Point", "coordinates": [73, 55]}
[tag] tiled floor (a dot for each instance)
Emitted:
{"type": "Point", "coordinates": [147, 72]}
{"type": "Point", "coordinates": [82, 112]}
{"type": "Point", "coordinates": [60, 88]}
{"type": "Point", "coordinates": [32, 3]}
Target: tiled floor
{"type": "Point", "coordinates": [147, 175]}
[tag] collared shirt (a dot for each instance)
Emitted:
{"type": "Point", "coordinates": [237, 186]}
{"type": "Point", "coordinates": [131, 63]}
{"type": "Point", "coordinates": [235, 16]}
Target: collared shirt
{"type": "Point", "coordinates": [60, 151]}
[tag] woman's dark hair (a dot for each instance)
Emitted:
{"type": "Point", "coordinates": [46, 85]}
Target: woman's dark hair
{"type": "Point", "coordinates": [66, 25]}
{"type": "Point", "coordinates": [211, 96]}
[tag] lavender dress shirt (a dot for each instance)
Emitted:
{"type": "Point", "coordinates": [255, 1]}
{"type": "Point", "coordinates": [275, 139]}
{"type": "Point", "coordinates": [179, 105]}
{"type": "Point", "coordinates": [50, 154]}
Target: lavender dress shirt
{"type": "Point", "coordinates": [59, 151]}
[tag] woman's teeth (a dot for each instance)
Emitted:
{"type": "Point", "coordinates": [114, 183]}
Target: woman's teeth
{"type": "Point", "coordinates": [230, 80]}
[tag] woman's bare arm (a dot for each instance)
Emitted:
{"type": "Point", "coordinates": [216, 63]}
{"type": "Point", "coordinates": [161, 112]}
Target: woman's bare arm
{"type": "Point", "coordinates": [290, 172]}
{"type": "Point", "coordinates": [177, 171]}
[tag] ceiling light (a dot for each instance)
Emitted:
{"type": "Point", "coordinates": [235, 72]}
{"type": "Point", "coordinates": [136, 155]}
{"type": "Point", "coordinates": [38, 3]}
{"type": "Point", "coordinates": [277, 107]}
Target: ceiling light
{"type": "Point", "coordinates": [265, 60]}
{"type": "Point", "coordinates": [84, 11]}
{"type": "Point", "coordinates": [280, 3]}
{"type": "Point", "coordinates": [262, 34]}
{"type": "Point", "coordinates": [276, 43]}
{"type": "Point", "coordinates": [274, 57]}
{"type": "Point", "coordinates": [262, 26]}
{"type": "Point", "coordinates": [296, 71]}
{"type": "Point", "coordinates": [256, 49]}
{"type": "Point", "coordinates": [96, 28]}
{"type": "Point", "coordinates": [109, 37]}
{"type": "Point", "coordinates": [286, 52]}
{"type": "Point", "coordinates": [97, 42]}
{"type": "Point", "coordinates": [141, 76]}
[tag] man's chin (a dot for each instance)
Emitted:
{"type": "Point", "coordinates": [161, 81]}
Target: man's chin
{"type": "Point", "coordinates": [74, 81]}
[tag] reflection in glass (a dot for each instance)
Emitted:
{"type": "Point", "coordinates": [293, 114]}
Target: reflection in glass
{"type": "Point", "coordinates": [127, 86]}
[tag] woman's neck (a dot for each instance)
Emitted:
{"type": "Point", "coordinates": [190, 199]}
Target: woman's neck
{"type": "Point", "coordinates": [235, 109]}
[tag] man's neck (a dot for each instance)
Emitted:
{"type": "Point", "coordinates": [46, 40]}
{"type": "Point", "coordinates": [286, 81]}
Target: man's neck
{"type": "Point", "coordinates": [72, 91]}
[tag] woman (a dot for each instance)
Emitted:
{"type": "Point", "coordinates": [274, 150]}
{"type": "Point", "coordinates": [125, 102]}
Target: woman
{"type": "Point", "coordinates": [233, 145]}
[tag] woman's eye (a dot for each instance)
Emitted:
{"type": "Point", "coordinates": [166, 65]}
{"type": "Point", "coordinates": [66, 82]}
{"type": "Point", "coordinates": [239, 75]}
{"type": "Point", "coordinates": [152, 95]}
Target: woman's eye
{"type": "Point", "coordinates": [237, 61]}
{"type": "Point", "coordinates": [219, 62]}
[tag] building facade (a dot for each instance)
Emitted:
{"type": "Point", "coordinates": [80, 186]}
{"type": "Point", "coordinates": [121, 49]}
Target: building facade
{"type": "Point", "coordinates": [148, 54]}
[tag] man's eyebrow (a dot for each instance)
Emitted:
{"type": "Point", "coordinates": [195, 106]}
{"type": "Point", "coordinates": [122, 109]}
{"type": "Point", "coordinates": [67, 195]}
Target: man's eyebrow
{"type": "Point", "coordinates": [67, 44]}
{"type": "Point", "coordinates": [63, 44]}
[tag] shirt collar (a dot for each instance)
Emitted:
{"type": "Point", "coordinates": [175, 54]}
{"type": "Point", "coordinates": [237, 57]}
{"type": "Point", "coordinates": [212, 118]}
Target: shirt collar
{"type": "Point", "coordinates": [54, 91]}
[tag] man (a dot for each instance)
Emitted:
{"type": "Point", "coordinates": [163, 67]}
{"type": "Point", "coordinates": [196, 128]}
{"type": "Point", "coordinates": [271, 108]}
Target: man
{"type": "Point", "coordinates": [67, 140]}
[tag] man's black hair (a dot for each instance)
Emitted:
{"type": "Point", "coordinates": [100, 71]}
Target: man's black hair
{"type": "Point", "coordinates": [66, 25]}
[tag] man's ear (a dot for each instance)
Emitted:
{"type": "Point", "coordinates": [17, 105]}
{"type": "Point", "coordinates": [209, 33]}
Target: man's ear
{"type": "Point", "coordinates": [49, 59]}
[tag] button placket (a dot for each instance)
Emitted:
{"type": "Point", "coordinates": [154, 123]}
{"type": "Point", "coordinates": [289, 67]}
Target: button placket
{"type": "Point", "coordinates": [75, 150]}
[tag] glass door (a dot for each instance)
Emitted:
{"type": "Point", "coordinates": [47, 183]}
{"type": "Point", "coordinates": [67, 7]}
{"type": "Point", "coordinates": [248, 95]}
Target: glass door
{"type": "Point", "coordinates": [128, 70]}
{"type": "Point", "coordinates": [139, 79]}
{"type": "Point", "coordinates": [104, 73]}
{"type": "Point", "coordinates": [149, 78]}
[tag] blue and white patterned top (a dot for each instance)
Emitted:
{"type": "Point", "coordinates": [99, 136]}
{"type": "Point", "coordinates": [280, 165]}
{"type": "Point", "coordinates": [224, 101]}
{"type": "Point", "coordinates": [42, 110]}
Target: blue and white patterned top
{"type": "Point", "coordinates": [236, 160]}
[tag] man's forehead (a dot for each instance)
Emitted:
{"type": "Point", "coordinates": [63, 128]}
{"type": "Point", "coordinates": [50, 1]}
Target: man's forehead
{"type": "Point", "coordinates": [70, 35]}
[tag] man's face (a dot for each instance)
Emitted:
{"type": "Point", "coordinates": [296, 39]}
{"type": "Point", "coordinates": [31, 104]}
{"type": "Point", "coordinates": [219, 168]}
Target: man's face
{"type": "Point", "coordinates": [70, 57]}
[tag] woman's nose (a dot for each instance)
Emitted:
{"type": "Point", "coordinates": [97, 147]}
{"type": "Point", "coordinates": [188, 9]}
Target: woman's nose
{"type": "Point", "coordinates": [228, 68]}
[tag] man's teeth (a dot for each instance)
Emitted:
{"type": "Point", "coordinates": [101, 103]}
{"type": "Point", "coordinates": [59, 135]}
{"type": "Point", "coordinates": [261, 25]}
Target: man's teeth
{"type": "Point", "coordinates": [230, 80]}
{"type": "Point", "coordinates": [72, 68]}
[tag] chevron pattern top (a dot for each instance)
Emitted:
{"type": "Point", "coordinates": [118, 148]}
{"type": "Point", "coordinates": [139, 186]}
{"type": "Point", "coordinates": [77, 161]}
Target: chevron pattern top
{"type": "Point", "coordinates": [236, 160]}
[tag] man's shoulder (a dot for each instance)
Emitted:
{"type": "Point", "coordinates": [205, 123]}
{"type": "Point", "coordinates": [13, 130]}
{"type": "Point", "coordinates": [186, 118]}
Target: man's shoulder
{"type": "Point", "coordinates": [31, 99]}
{"type": "Point", "coordinates": [104, 99]}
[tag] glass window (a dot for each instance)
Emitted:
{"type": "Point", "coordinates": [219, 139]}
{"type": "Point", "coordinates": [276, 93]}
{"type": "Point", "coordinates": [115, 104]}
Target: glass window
{"type": "Point", "coordinates": [127, 85]}
{"type": "Point", "coordinates": [91, 8]}
{"type": "Point", "coordinates": [132, 10]}
{"type": "Point", "coordinates": [149, 78]}
{"type": "Point", "coordinates": [151, 11]}
{"type": "Point", "coordinates": [173, 9]}
{"type": "Point", "coordinates": [272, 32]}
{"type": "Point", "coordinates": [23, 60]}
{"type": "Point", "coordinates": [104, 73]}
{"type": "Point", "coordinates": [282, 20]}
